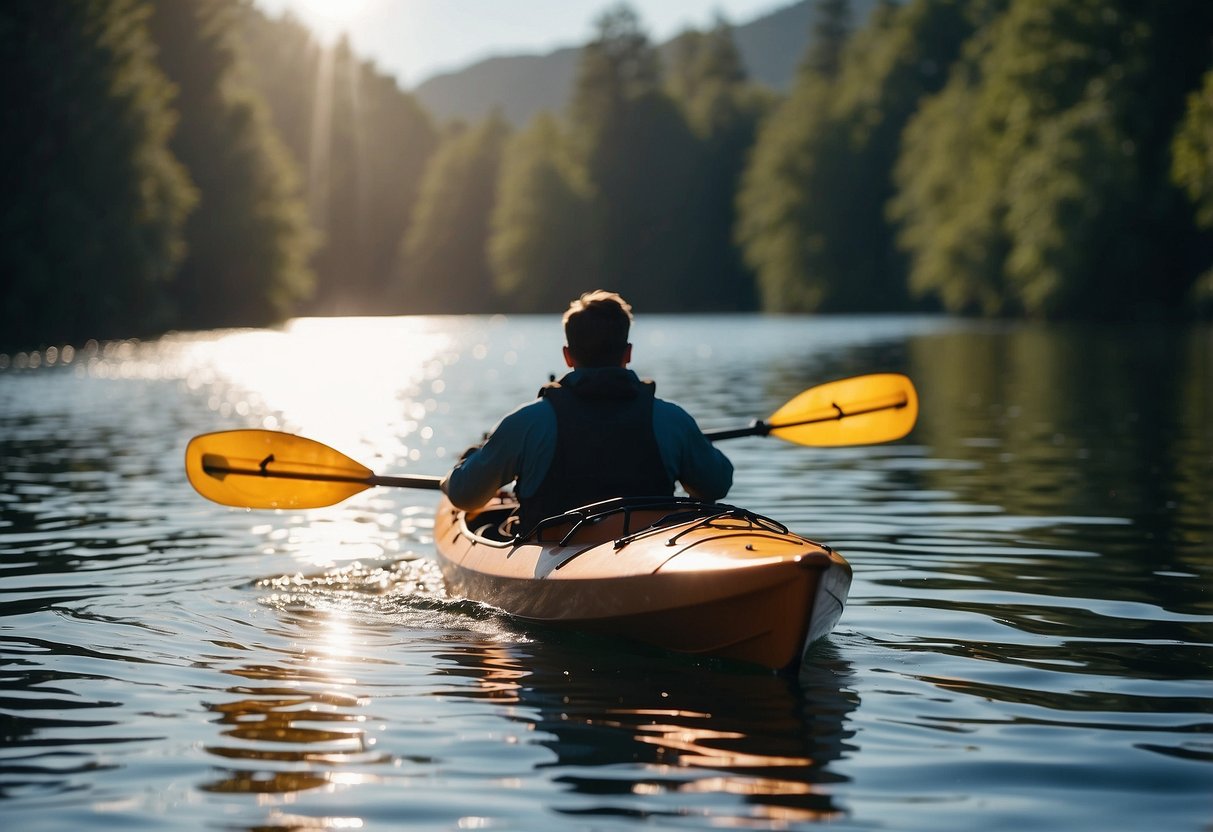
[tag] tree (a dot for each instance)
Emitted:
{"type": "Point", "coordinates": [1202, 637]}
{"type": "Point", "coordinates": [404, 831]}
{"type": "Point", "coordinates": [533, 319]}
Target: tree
{"type": "Point", "coordinates": [94, 201]}
{"type": "Point", "coordinates": [248, 240]}
{"type": "Point", "coordinates": [707, 80]}
{"type": "Point", "coordinates": [639, 158]}
{"type": "Point", "coordinates": [363, 145]}
{"type": "Point", "coordinates": [813, 201]}
{"type": "Point", "coordinates": [831, 29]}
{"type": "Point", "coordinates": [1192, 170]}
{"type": "Point", "coordinates": [445, 254]}
{"type": "Point", "coordinates": [539, 246]}
{"type": "Point", "coordinates": [1035, 182]}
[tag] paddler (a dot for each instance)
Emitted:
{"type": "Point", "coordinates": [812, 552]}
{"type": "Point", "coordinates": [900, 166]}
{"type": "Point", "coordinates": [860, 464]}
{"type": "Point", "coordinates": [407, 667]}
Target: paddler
{"type": "Point", "coordinates": [597, 433]}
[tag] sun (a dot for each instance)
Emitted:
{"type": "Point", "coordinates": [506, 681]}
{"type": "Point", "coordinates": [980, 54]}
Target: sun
{"type": "Point", "coordinates": [329, 18]}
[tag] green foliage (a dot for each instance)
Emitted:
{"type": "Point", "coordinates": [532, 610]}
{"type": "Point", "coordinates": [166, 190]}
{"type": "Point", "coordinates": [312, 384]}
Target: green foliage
{"type": "Point", "coordinates": [90, 222]}
{"type": "Point", "coordinates": [445, 257]}
{"type": "Point", "coordinates": [812, 202]}
{"type": "Point", "coordinates": [362, 144]}
{"type": "Point", "coordinates": [1192, 166]}
{"type": "Point", "coordinates": [1192, 170]}
{"type": "Point", "coordinates": [618, 66]}
{"type": "Point", "coordinates": [831, 29]}
{"type": "Point", "coordinates": [1046, 158]}
{"type": "Point", "coordinates": [248, 240]}
{"type": "Point", "coordinates": [1035, 182]}
{"type": "Point", "coordinates": [638, 155]}
{"type": "Point", "coordinates": [708, 82]}
{"type": "Point", "coordinates": [539, 246]}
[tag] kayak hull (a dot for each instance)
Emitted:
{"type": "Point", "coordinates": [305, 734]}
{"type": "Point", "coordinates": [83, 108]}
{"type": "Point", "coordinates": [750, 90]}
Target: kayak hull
{"type": "Point", "coordinates": [682, 575]}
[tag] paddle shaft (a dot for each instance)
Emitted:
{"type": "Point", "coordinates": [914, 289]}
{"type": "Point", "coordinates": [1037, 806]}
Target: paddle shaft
{"type": "Point", "coordinates": [761, 428]}
{"type": "Point", "coordinates": [813, 418]}
{"type": "Point", "coordinates": [426, 482]}
{"type": "Point", "coordinates": [432, 483]}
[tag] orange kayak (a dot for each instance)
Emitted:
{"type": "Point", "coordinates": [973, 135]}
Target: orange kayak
{"type": "Point", "coordinates": [688, 576]}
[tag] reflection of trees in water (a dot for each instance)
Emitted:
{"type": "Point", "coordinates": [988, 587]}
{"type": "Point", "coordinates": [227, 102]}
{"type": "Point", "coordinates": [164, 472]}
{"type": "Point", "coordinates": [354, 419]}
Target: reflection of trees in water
{"type": "Point", "coordinates": [298, 721]}
{"type": "Point", "coordinates": [636, 733]}
{"type": "Point", "coordinates": [633, 732]}
{"type": "Point", "coordinates": [1069, 467]}
{"type": "Point", "coordinates": [1096, 421]}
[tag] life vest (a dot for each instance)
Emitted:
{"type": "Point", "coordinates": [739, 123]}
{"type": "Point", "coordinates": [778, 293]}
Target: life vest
{"type": "Point", "coordinates": [605, 445]}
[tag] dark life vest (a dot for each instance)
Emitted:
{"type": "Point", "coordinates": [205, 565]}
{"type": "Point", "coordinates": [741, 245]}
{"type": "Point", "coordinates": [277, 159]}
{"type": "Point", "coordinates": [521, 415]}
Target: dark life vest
{"type": "Point", "coordinates": [605, 446]}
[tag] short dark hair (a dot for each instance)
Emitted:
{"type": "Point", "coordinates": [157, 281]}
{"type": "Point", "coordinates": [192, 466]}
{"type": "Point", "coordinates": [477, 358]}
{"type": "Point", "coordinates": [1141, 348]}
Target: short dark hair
{"type": "Point", "coordinates": [596, 327]}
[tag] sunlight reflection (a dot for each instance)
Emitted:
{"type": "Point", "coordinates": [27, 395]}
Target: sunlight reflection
{"type": "Point", "coordinates": [337, 378]}
{"type": "Point", "coordinates": [354, 383]}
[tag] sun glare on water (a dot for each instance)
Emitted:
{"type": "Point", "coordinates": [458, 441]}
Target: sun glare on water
{"type": "Point", "coordinates": [358, 384]}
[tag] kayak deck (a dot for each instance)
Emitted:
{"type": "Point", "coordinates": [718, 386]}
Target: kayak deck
{"type": "Point", "coordinates": [694, 577]}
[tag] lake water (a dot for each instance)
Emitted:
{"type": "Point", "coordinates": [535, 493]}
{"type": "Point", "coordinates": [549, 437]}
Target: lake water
{"type": "Point", "coordinates": [1028, 643]}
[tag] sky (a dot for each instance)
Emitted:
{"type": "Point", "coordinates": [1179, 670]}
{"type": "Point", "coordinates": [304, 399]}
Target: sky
{"type": "Point", "coordinates": [417, 39]}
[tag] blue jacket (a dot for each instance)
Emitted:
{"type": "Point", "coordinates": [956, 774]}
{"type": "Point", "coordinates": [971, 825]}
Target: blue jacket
{"type": "Point", "coordinates": [523, 445]}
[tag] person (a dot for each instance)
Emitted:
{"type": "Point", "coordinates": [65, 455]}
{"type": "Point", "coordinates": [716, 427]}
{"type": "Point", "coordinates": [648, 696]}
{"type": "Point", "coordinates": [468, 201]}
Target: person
{"type": "Point", "coordinates": [597, 433]}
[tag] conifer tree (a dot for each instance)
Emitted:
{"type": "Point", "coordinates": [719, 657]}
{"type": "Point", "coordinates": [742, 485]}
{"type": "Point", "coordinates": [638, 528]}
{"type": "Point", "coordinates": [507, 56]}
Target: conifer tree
{"type": "Point", "coordinates": [445, 253]}
{"type": "Point", "coordinates": [707, 80]}
{"type": "Point", "coordinates": [639, 158]}
{"type": "Point", "coordinates": [539, 246]}
{"type": "Point", "coordinates": [1192, 170]}
{"type": "Point", "coordinates": [94, 201]}
{"type": "Point", "coordinates": [248, 239]}
{"type": "Point", "coordinates": [1046, 193]}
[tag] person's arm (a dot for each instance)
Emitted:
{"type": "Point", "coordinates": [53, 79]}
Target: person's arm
{"type": "Point", "coordinates": [702, 468]}
{"type": "Point", "coordinates": [483, 471]}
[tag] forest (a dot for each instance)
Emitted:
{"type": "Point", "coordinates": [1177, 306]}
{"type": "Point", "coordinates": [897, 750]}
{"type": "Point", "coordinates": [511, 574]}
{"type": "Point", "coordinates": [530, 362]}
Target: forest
{"type": "Point", "coordinates": [195, 164]}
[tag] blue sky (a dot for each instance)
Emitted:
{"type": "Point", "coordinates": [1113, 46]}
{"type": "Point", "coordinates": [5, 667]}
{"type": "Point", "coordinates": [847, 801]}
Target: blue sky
{"type": "Point", "coordinates": [415, 39]}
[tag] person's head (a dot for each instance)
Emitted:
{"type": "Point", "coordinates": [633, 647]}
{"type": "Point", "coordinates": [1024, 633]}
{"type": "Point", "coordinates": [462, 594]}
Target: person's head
{"type": "Point", "coordinates": [596, 328]}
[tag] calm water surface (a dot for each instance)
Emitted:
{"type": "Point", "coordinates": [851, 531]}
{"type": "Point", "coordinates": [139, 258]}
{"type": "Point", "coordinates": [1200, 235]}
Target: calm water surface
{"type": "Point", "coordinates": [1027, 645]}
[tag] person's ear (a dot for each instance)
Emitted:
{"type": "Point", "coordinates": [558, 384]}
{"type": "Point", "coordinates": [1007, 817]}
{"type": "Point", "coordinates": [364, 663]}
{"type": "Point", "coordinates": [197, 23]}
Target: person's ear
{"type": "Point", "coordinates": [627, 355]}
{"type": "Point", "coordinates": [568, 357]}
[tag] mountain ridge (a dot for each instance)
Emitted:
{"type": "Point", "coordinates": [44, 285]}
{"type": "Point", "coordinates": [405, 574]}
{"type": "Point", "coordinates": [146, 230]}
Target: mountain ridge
{"type": "Point", "coordinates": [520, 86]}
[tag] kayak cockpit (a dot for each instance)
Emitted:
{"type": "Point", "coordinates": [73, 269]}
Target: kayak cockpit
{"type": "Point", "coordinates": [621, 519]}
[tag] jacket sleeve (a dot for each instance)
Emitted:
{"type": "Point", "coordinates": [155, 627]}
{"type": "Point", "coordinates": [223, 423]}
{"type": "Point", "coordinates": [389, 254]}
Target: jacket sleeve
{"type": "Point", "coordinates": [518, 448]}
{"type": "Point", "coordinates": [704, 471]}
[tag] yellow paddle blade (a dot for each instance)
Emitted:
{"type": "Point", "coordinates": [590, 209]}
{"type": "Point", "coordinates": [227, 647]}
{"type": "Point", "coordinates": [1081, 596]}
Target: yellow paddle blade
{"type": "Point", "coordinates": [268, 469]}
{"type": "Point", "coordinates": [853, 411]}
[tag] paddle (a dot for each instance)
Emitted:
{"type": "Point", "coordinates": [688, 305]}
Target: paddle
{"type": "Point", "coordinates": [862, 410]}
{"type": "Point", "coordinates": [268, 469]}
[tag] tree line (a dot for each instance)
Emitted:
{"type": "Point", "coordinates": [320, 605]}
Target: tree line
{"type": "Point", "coordinates": [197, 164]}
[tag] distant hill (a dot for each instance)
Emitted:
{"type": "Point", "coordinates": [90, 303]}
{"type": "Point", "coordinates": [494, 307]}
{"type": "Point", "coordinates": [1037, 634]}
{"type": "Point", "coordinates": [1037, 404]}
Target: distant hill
{"type": "Point", "coordinates": [522, 85]}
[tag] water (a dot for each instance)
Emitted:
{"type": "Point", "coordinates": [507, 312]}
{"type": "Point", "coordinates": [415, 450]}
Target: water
{"type": "Point", "coordinates": [1027, 643]}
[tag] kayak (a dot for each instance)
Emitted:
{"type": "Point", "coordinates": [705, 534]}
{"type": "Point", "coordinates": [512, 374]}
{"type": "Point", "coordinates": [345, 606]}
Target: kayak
{"type": "Point", "coordinates": [702, 578]}
{"type": "Point", "coordinates": [680, 574]}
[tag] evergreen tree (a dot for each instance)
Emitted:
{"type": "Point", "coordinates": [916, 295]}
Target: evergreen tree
{"type": "Point", "coordinates": [708, 81]}
{"type": "Point", "coordinates": [539, 246]}
{"type": "Point", "coordinates": [1045, 192]}
{"type": "Point", "coordinates": [639, 156]}
{"type": "Point", "coordinates": [617, 67]}
{"type": "Point", "coordinates": [1192, 170]}
{"type": "Point", "coordinates": [90, 222]}
{"type": "Point", "coordinates": [831, 29]}
{"type": "Point", "coordinates": [445, 257]}
{"type": "Point", "coordinates": [813, 201]}
{"type": "Point", "coordinates": [363, 145]}
{"type": "Point", "coordinates": [775, 201]}
{"type": "Point", "coordinates": [248, 239]}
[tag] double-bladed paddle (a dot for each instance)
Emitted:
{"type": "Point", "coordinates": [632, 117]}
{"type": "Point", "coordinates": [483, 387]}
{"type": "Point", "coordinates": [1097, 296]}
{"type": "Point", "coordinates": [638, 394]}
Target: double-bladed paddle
{"type": "Point", "coordinates": [268, 469]}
